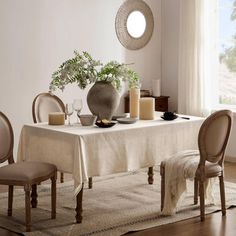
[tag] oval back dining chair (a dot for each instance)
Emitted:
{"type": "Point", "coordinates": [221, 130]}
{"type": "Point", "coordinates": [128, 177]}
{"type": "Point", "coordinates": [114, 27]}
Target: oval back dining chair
{"type": "Point", "coordinates": [213, 138]}
{"type": "Point", "coordinates": [26, 174]}
{"type": "Point", "coordinates": [43, 104]}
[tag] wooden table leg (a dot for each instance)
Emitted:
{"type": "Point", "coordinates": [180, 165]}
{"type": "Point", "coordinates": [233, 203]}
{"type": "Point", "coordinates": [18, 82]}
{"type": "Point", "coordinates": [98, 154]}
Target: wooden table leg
{"type": "Point", "coordinates": [53, 196]}
{"type": "Point", "coordinates": [79, 208]}
{"type": "Point", "coordinates": [27, 189]}
{"type": "Point", "coordinates": [90, 182]}
{"type": "Point", "coordinates": [34, 195]}
{"type": "Point", "coordinates": [150, 175]}
{"type": "Point", "coordinates": [62, 177]}
{"type": "Point", "coordinates": [10, 199]}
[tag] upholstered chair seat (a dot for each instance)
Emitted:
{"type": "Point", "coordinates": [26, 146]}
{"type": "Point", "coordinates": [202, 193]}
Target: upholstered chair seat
{"type": "Point", "coordinates": [211, 170]}
{"type": "Point", "coordinates": [26, 172]}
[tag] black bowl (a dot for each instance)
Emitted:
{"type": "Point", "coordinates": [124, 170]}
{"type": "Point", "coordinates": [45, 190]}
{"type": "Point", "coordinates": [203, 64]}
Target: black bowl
{"type": "Point", "coordinates": [169, 116]}
{"type": "Point", "coordinates": [105, 125]}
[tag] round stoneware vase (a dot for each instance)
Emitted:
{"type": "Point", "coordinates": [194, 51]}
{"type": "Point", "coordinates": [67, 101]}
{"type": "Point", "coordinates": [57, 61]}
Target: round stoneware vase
{"type": "Point", "coordinates": [103, 100]}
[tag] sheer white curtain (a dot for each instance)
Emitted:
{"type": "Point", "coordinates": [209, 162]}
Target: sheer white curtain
{"type": "Point", "coordinates": [198, 56]}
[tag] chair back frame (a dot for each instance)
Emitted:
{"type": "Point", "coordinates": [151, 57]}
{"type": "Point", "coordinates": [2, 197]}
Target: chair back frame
{"type": "Point", "coordinates": [219, 156]}
{"type": "Point", "coordinates": [46, 95]}
{"type": "Point", "coordinates": [9, 156]}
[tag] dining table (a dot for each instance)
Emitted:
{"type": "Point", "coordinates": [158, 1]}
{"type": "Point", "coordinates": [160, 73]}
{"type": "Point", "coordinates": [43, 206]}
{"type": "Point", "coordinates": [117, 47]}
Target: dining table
{"type": "Point", "coordinates": [89, 151]}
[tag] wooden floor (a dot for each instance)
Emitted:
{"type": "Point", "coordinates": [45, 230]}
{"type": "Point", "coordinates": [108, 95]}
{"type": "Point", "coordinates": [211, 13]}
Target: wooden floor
{"type": "Point", "coordinates": [214, 225]}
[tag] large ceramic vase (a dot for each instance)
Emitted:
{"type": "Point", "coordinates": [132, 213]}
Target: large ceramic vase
{"type": "Point", "coordinates": [103, 100]}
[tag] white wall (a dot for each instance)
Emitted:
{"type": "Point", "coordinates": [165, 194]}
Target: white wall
{"type": "Point", "coordinates": [148, 59]}
{"type": "Point", "coordinates": [170, 47]}
{"type": "Point", "coordinates": [37, 36]}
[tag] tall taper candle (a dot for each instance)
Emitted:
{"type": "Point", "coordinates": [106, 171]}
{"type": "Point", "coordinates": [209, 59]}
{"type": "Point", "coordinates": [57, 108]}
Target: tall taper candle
{"type": "Point", "coordinates": [134, 96]}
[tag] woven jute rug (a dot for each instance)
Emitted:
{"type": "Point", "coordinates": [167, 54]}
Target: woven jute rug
{"type": "Point", "coordinates": [117, 204]}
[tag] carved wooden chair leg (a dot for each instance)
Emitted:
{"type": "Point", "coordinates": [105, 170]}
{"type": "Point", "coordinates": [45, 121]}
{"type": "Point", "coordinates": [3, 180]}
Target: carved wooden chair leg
{"type": "Point", "coordinates": [10, 199]}
{"type": "Point", "coordinates": [90, 182]}
{"type": "Point", "coordinates": [150, 175]}
{"type": "Point", "coordinates": [53, 196]}
{"type": "Point", "coordinates": [196, 191]}
{"type": "Point", "coordinates": [27, 189]}
{"type": "Point", "coordinates": [79, 207]}
{"type": "Point", "coordinates": [34, 195]}
{"type": "Point", "coordinates": [162, 173]}
{"type": "Point", "coordinates": [62, 177]}
{"type": "Point", "coordinates": [202, 200]}
{"type": "Point", "coordinates": [222, 194]}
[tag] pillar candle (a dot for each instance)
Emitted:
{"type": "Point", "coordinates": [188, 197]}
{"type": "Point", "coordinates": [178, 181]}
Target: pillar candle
{"type": "Point", "coordinates": [134, 95]}
{"type": "Point", "coordinates": [56, 118]}
{"type": "Point", "coordinates": [147, 108]}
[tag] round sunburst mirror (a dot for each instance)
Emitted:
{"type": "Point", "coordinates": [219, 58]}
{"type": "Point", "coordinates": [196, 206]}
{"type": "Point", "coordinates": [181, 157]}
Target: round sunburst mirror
{"type": "Point", "coordinates": [134, 24]}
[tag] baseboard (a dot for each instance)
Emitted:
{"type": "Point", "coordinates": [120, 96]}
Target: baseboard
{"type": "Point", "coordinates": [230, 159]}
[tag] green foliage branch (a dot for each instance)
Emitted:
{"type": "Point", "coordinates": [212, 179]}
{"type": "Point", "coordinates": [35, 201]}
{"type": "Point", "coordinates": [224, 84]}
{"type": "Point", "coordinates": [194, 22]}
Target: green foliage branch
{"type": "Point", "coordinates": [82, 69]}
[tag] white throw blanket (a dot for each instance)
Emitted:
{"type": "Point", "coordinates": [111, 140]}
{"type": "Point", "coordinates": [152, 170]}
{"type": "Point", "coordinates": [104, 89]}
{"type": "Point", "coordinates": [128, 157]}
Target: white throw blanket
{"type": "Point", "coordinates": [178, 168]}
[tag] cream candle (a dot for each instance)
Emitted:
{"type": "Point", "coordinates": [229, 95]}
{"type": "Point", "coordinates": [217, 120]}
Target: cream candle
{"type": "Point", "coordinates": [134, 96]}
{"type": "Point", "coordinates": [56, 118]}
{"type": "Point", "coordinates": [156, 87]}
{"type": "Point", "coordinates": [147, 108]}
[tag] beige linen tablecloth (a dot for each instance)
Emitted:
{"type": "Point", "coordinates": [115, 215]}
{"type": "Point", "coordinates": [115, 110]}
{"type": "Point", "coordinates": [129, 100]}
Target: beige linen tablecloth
{"type": "Point", "coordinates": [92, 151]}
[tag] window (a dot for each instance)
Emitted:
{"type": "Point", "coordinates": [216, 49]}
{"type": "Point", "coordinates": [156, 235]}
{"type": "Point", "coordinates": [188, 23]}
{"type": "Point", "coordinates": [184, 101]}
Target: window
{"type": "Point", "coordinates": [227, 53]}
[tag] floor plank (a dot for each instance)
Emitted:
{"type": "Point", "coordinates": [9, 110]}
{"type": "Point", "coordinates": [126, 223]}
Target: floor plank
{"type": "Point", "coordinates": [4, 232]}
{"type": "Point", "coordinates": [214, 225]}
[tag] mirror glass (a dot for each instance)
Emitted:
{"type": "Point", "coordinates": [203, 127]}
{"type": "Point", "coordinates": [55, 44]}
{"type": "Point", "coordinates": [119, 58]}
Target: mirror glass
{"type": "Point", "coordinates": [136, 24]}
